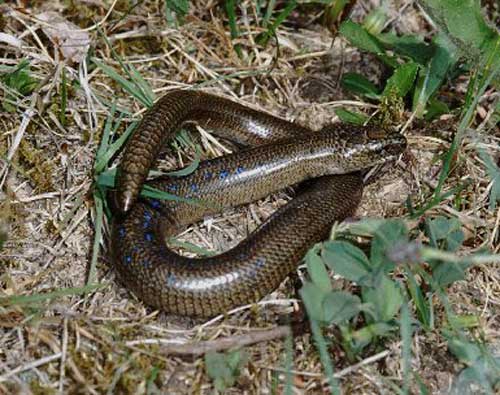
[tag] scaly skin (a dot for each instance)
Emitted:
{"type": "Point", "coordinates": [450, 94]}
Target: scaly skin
{"type": "Point", "coordinates": [280, 154]}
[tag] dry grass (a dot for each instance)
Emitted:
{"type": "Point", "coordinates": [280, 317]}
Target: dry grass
{"type": "Point", "coordinates": [98, 343]}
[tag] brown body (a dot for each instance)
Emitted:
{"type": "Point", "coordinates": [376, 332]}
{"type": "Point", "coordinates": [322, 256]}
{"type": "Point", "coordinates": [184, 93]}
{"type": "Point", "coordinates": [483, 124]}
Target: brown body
{"type": "Point", "coordinates": [283, 154]}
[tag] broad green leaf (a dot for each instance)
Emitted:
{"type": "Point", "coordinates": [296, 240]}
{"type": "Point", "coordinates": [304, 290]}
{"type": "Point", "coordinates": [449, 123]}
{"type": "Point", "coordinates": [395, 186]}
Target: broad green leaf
{"type": "Point", "coordinates": [390, 233]}
{"type": "Point", "coordinates": [354, 118]}
{"type": "Point", "coordinates": [375, 20]}
{"type": "Point", "coordinates": [365, 335]}
{"type": "Point", "coordinates": [463, 22]}
{"type": "Point", "coordinates": [446, 230]}
{"type": "Point", "coordinates": [411, 46]}
{"type": "Point", "coordinates": [446, 273]}
{"type": "Point", "coordinates": [432, 76]}
{"type": "Point", "coordinates": [402, 80]}
{"type": "Point", "coordinates": [435, 108]}
{"type": "Point", "coordinates": [483, 373]}
{"type": "Point", "coordinates": [340, 306]}
{"type": "Point", "coordinates": [360, 38]}
{"type": "Point", "coordinates": [386, 298]}
{"type": "Point", "coordinates": [466, 351]}
{"type": "Point", "coordinates": [438, 228]}
{"type": "Point", "coordinates": [359, 84]}
{"type": "Point", "coordinates": [313, 296]}
{"type": "Point", "coordinates": [223, 369]}
{"type": "Point", "coordinates": [346, 260]}
{"type": "Point", "coordinates": [317, 271]}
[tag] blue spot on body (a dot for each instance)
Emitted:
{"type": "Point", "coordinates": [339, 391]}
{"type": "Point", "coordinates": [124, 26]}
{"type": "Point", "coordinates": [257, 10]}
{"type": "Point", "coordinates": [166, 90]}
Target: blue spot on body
{"type": "Point", "coordinates": [194, 187]}
{"type": "Point", "coordinates": [172, 187]}
{"type": "Point", "coordinates": [155, 203]}
{"type": "Point", "coordinates": [122, 232]}
{"type": "Point", "coordinates": [128, 259]}
{"type": "Point", "coordinates": [171, 279]}
{"type": "Point", "coordinates": [208, 175]}
{"type": "Point", "coordinates": [147, 219]}
{"type": "Point", "coordinates": [148, 236]}
{"type": "Point", "coordinates": [223, 174]}
{"type": "Point", "coordinates": [135, 249]}
{"type": "Point", "coordinates": [260, 262]}
{"type": "Point", "coordinates": [240, 170]}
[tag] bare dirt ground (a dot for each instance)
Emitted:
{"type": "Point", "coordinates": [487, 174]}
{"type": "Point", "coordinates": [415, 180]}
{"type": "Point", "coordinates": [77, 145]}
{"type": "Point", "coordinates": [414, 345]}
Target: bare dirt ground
{"type": "Point", "coordinates": [106, 341]}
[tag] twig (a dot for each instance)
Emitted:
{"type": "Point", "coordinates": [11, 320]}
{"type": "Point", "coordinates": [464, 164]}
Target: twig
{"type": "Point", "coordinates": [29, 366]}
{"type": "Point", "coordinates": [220, 344]}
{"type": "Point", "coordinates": [367, 361]}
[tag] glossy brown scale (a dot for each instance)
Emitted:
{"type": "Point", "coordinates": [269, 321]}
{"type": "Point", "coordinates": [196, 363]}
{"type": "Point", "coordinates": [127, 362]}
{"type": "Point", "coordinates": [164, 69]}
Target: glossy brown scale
{"type": "Point", "coordinates": [280, 154]}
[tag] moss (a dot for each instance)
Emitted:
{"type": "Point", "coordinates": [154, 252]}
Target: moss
{"type": "Point", "coordinates": [81, 13]}
{"type": "Point", "coordinates": [38, 169]}
{"type": "Point", "coordinates": [38, 388]}
{"type": "Point", "coordinates": [391, 110]}
{"type": "Point", "coordinates": [147, 45]}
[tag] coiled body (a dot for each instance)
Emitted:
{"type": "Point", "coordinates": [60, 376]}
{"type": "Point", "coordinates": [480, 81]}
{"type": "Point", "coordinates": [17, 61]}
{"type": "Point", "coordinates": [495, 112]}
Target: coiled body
{"type": "Point", "coordinates": [279, 154]}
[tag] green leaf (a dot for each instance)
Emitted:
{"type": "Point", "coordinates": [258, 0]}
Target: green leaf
{"type": "Point", "coordinates": [20, 82]}
{"type": "Point", "coordinates": [374, 22]}
{"type": "Point", "coordinates": [464, 24]}
{"type": "Point", "coordinates": [20, 300]}
{"type": "Point", "coordinates": [262, 39]}
{"type": "Point", "coordinates": [346, 260]}
{"type": "Point", "coordinates": [406, 332]}
{"type": "Point", "coordinates": [466, 351]}
{"type": "Point", "coordinates": [435, 108]}
{"type": "Point", "coordinates": [176, 10]}
{"type": "Point", "coordinates": [185, 171]}
{"type": "Point", "coordinates": [484, 373]}
{"type": "Point", "coordinates": [402, 80]}
{"type": "Point", "coordinates": [233, 26]}
{"type": "Point", "coordinates": [223, 369]}
{"type": "Point", "coordinates": [385, 298]}
{"type": "Point", "coordinates": [313, 296]}
{"type": "Point", "coordinates": [360, 38]}
{"type": "Point", "coordinates": [340, 306]}
{"type": "Point", "coordinates": [358, 84]}
{"type": "Point", "coordinates": [191, 247]}
{"type": "Point", "coordinates": [365, 335]}
{"type": "Point", "coordinates": [432, 76]}
{"type": "Point", "coordinates": [317, 271]}
{"type": "Point", "coordinates": [135, 86]}
{"type": "Point", "coordinates": [389, 234]}
{"type": "Point", "coordinates": [354, 118]}
{"type": "Point", "coordinates": [445, 233]}
{"type": "Point", "coordinates": [20, 78]}
{"type": "Point", "coordinates": [438, 228]}
{"type": "Point", "coordinates": [3, 237]}
{"type": "Point", "coordinates": [421, 305]}
{"type": "Point", "coordinates": [494, 174]}
{"type": "Point", "coordinates": [411, 46]}
{"type": "Point", "coordinates": [446, 273]}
